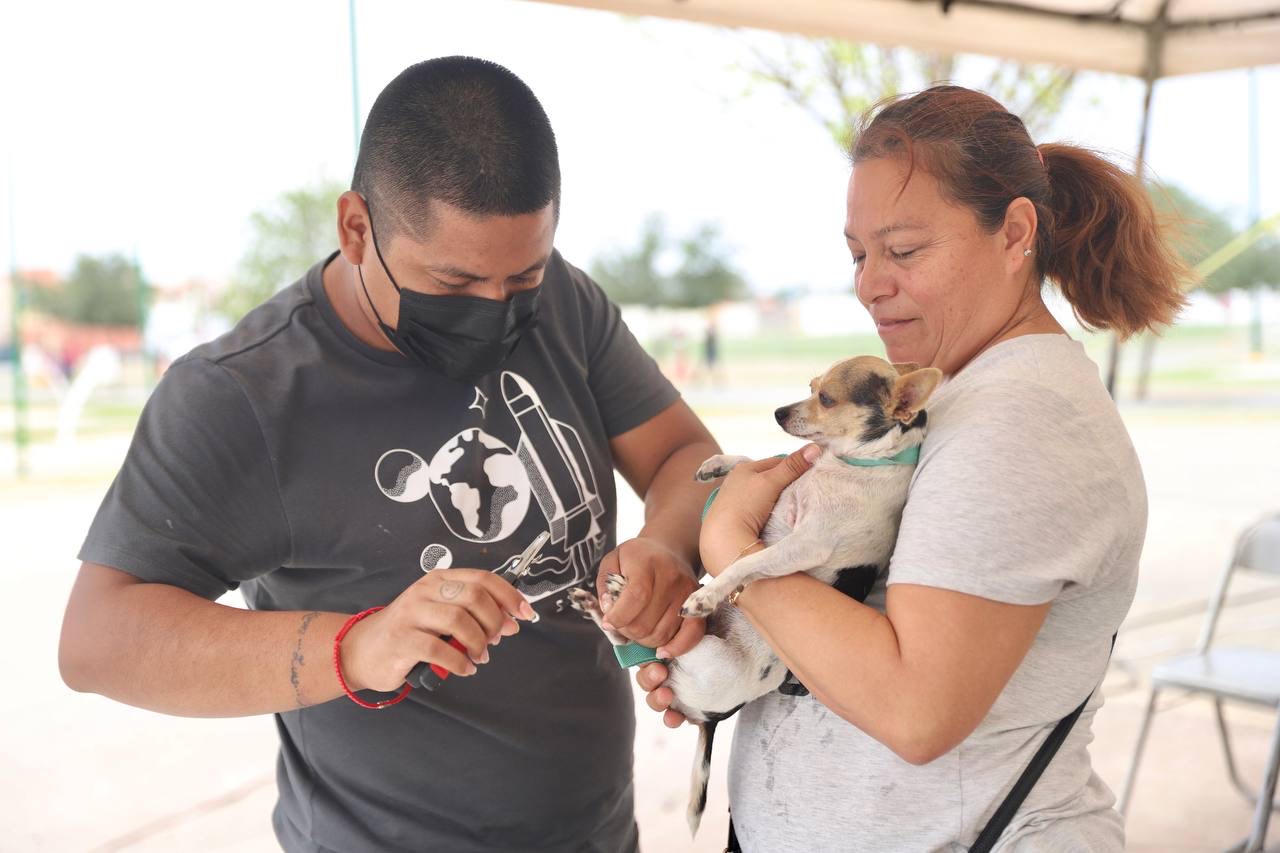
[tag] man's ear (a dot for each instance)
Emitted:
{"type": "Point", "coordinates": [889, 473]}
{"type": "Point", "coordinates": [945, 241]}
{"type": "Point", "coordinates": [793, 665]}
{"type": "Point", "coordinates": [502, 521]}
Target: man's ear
{"type": "Point", "coordinates": [353, 226]}
{"type": "Point", "coordinates": [911, 390]}
{"type": "Point", "coordinates": [906, 367]}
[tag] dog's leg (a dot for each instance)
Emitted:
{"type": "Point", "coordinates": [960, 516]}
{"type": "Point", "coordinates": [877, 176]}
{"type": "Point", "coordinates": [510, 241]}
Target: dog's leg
{"type": "Point", "coordinates": [585, 602]}
{"type": "Point", "coordinates": [718, 466]}
{"type": "Point", "coordinates": [795, 552]}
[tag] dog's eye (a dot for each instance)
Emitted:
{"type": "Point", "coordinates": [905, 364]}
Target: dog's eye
{"type": "Point", "coordinates": [825, 400]}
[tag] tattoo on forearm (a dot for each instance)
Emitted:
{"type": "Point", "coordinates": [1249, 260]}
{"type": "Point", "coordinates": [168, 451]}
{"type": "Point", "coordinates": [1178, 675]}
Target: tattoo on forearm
{"type": "Point", "coordinates": [298, 660]}
{"type": "Point", "coordinates": [449, 590]}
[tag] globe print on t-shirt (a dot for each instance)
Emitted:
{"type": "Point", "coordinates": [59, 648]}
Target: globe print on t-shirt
{"type": "Point", "coordinates": [481, 487]}
{"type": "Point", "coordinates": [478, 486]}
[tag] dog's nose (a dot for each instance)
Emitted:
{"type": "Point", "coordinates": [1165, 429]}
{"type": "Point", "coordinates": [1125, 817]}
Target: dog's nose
{"type": "Point", "coordinates": [782, 413]}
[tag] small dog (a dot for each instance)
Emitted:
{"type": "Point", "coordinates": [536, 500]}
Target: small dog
{"type": "Point", "coordinates": [841, 514]}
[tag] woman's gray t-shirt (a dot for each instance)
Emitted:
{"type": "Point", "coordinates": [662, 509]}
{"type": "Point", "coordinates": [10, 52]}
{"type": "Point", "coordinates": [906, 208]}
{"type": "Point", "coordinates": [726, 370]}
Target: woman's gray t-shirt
{"type": "Point", "coordinates": [1028, 490]}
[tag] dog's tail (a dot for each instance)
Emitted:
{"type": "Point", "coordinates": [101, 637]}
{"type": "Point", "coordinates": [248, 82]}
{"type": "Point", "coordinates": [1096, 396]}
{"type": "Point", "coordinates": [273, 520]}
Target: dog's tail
{"type": "Point", "coordinates": [701, 774]}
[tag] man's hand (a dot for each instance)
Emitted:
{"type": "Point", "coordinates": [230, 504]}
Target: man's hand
{"type": "Point", "coordinates": [648, 610]}
{"type": "Point", "coordinates": [651, 677]}
{"type": "Point", "coordinates": [475, 607]}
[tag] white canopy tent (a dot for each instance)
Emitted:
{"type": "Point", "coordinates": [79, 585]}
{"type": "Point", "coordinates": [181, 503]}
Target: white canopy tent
{"type": "Point", "coordinates": [1143, 38]}
{"type": "Point", "coordinates": [1149, 39]}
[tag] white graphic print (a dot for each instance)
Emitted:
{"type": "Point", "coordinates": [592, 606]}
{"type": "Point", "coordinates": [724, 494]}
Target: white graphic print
{"type": "Point", "coordinates": [478, 486]}
{"type": "Point", "coordinates": [563, 484]}
{"type": "Point", "coordinates": [481, 488]}
{"type": "Point", "coordinates": [435, 556]}
{"type": "Point", "coordinates": [402, 476]}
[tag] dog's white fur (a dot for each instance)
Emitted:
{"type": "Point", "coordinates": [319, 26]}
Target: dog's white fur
{"type": "Point", "coordinates": [835, 516]}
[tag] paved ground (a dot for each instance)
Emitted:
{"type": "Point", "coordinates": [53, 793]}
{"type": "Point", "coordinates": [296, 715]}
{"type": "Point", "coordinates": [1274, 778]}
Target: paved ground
{"type": "Point", "coordinates": [83, 773]}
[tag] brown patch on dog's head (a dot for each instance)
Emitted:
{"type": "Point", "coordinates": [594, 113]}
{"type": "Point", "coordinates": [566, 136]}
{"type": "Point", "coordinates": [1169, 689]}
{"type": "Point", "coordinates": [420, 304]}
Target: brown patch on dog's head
{"type": "Point", "coordinates": [860, 400]}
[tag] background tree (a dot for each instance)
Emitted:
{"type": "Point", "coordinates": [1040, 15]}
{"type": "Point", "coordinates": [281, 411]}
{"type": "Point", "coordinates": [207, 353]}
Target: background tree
{"type": "Point", "coordinates": [836, 81]}
{"type": "Point", "coordinates": [102, 290]}
{"type": "Point", "coordinates": [287, 237]}
{"type": "Point", "coordinates": [630, 276]}
{"type": "Point", "coordinates": [703, 275]}
{"type": "Point", "coordinates": [1200, 231]}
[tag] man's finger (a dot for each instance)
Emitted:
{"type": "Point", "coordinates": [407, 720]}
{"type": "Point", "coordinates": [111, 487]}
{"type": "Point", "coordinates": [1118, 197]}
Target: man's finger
{"type": "Point", "coordinates": [660, 699]}
{"type": "Point", "coordinates": [633, 600]}
{"type": "Point", "coordinates": [688, 635]}
{"type": "Point", "coordinates": [672, 719]}
{"type": "Point", "coordinates": [651, 675]}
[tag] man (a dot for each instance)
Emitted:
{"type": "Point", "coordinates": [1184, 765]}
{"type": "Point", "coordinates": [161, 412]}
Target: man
{"type": "Point", "coordinates": [429, 398]}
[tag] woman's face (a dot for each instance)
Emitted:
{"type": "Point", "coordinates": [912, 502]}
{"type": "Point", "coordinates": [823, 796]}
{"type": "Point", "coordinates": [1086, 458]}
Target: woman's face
{"type": "Point", "coordinates": [939, 288]}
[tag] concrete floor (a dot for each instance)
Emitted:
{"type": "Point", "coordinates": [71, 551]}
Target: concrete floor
{"type": "Point", "coordinates": [84, 773]}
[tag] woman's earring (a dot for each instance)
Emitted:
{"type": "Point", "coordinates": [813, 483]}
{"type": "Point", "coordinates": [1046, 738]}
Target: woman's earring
{"type": "Point", "coordinates": [1026, 253]}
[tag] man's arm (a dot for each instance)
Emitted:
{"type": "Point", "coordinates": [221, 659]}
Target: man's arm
{"type": "Point", "coordinates": [658, 460]}
{"type": "Point", "coordinates": [163, 648]}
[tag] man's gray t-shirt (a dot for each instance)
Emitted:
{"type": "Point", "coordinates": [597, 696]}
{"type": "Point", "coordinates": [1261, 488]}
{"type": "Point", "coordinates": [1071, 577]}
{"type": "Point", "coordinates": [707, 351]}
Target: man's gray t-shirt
{"type": "Point", "coordinates": [318, 473]}
{"type": "Point", "coordinates": [1027, 491]}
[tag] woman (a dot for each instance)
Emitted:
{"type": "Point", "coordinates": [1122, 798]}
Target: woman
{"type": "Point", "coordinates": [1018, 551]}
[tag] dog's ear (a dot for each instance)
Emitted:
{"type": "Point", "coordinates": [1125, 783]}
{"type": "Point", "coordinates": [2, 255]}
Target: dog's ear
{"type": "Point", "coordinates": [906, 367]}
{"type": "Point", "coordinates": [912, 389]}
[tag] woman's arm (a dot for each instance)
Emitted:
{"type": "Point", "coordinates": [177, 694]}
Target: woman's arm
{"type": "Point", "coordinates": [918, 678]}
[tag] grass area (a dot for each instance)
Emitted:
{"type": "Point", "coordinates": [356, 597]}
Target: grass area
{"type": "Point", "coordinates": [108, 417]}
{"type": "Point", "coordinates": [775, 347]}
{"type": "Point", "coordinates": [1207, 362]}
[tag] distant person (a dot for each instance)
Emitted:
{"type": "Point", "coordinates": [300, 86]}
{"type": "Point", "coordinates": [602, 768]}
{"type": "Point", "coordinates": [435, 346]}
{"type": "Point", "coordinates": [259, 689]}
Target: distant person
{"type": "Point", "coordinates": [1017, 556]}
{"type": "Point", "coordinates": [428, 398]}
{"type": "Point", "coordinates": [711, 351]}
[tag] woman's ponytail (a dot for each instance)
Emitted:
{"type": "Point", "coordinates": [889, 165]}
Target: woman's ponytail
{"type": "Point", "coordinates": [1102, 245]}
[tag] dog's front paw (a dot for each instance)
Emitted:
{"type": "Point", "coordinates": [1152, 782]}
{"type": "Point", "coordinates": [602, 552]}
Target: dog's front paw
{"type": "Point", "coordinates": [583, 601]}
{"type": "Point", "coordinates": [614, 584]}
{"type": "Point", "coordinates": [713, 469]}
{"type": "Point", "coordinates": [699, 604]}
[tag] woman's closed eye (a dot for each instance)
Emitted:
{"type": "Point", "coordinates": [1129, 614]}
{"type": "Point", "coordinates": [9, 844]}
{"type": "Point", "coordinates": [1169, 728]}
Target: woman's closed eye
{"type": "Point", "coordinates": [903, 254]}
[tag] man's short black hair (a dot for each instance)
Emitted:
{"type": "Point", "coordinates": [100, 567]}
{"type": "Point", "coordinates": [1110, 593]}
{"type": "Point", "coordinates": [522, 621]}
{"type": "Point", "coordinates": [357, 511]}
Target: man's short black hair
{"type": "Point", "coordinates": [459, 130]}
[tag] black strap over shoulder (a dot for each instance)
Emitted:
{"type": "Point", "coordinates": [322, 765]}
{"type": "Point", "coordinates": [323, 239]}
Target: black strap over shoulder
{"type": "Point", "coordinates": [987, 838]}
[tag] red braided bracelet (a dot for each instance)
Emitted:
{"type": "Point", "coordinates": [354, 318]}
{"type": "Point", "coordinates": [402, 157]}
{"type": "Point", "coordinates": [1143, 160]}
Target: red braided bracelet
{"type": "Point", "coordinates": [337, 666]}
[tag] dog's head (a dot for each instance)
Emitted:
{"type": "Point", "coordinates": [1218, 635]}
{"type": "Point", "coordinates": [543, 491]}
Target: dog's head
{"type": "Point", "coordinates": [864, 406]}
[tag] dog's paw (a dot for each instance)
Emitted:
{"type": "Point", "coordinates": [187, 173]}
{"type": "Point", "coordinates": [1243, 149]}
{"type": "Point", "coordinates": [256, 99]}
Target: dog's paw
{"type": "Point", "coordinates": [713, 469]}
{"type": "Point", "coordinates": [583, 601]}
{"type": "Point", "coordinates": [700, 604]}
{"type": "Point", "coordinates": [614, 584]}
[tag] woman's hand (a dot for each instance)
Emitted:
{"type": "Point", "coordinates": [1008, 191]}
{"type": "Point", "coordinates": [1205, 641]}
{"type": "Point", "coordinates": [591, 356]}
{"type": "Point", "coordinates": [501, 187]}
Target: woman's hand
{"type": "Point", "coordinates": [746, 499]}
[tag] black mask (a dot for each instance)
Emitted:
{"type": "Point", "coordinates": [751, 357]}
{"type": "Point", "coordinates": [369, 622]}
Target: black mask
{"type": "Point", "coordinates": [463, 337]}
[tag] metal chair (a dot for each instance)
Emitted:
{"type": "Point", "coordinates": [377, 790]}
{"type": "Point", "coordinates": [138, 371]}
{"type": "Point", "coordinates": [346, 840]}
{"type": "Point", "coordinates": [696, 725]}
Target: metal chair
{"type": "Point", "coordinates": [1248, 675]}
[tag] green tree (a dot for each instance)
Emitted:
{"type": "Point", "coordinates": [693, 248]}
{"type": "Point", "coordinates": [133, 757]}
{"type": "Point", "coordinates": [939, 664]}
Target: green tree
{"type": "Point", "coordinates": [1199, 231]}
{"type": "Point", "coordinates": [704, 276]}
{"type": "Point", "coordinates": [836, 81]}
{"type": "Point", "coordinates": [102, 290]}
{"type": "Point", "coordinates": [288, 236]}
{"type": "Point", "coordinates": [630, 276]}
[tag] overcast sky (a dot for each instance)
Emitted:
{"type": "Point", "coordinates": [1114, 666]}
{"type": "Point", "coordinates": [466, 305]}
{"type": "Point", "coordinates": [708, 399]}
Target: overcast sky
{"type": "Point", "coordinates": [157, 127]}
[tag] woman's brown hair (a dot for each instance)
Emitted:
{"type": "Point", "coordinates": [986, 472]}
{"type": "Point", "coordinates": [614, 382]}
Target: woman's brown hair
{"type": "Point", "coordinates": [1098, 237]}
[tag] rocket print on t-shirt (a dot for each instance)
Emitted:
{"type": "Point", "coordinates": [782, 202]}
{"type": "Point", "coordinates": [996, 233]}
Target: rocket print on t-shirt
{"type": "Point", "coordinates": [482, 487]}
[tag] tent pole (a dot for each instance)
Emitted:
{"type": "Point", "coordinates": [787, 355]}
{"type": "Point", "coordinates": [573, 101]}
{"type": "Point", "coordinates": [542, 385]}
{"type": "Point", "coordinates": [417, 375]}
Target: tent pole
{"type": "Point", "coordinates": [21, 437]}
{"type": "Point", "coordinates": [1255, 213]}
{"type": "Point", "coordinates": [355, 83]}
{"type": "Point", "coordinates": [1151, 73]}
